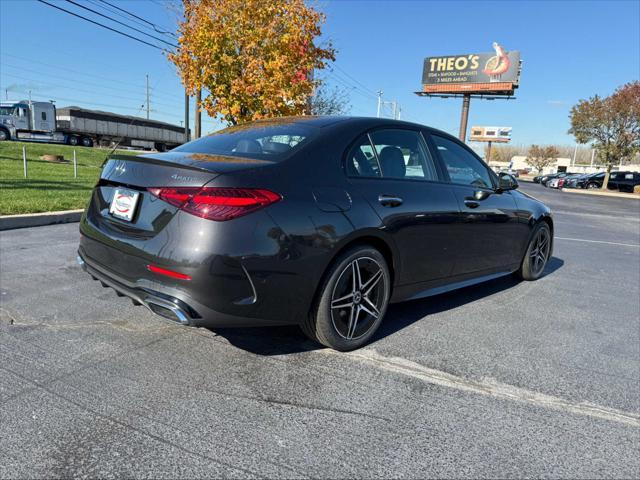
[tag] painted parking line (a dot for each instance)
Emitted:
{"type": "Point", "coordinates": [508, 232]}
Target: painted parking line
{"type": "Point", "coordinates": [488, 386]}
{"type": "Point", "coordinates": [598, 241]}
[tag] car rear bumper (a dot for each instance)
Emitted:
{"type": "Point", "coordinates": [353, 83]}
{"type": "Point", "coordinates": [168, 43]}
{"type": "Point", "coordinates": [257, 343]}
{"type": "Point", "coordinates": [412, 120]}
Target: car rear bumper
{"type": "Point", "coordinates": [169, 303]}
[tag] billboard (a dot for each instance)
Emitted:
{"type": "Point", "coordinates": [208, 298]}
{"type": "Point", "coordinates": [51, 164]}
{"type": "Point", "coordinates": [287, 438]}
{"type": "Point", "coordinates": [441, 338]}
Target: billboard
{"type": "Point", "coordinates": [490, 134]}
{"type": "Point", "coordinates": [494, 72]}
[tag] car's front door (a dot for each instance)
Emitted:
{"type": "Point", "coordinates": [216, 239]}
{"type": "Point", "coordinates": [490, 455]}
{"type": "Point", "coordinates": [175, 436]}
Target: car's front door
{"type": "Point", "coordinates": [394, 171]}
{"type": "Point", "coordinates": [22, 117]}
{"type": "Point", "coordinates": [489, 233]}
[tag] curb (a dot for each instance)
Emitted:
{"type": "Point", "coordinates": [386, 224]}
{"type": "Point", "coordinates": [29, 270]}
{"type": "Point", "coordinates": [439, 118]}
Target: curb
{"type": "Point", "coordinates": [10, 222]}
{"type": "Point", "coordinates": [580, 191]}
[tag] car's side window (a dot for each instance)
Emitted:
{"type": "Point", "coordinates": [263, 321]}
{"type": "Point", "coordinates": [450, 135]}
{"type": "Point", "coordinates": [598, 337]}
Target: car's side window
{"type": "Point", "coordinates": [462, 166]}
{"type": "Point", "coordinates": [403, 155]}
{"type": "Point", "coordinates": [361, 159]}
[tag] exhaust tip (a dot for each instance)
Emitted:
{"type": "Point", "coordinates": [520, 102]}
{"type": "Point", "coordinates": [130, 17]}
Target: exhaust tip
{"type": "Point", "coordinates": [171, 312]}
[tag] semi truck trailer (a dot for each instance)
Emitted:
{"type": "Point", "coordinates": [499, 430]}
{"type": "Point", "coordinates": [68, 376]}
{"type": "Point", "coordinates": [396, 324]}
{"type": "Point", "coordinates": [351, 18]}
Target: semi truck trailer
{"type": "Point", "coordinates": [29, 121]}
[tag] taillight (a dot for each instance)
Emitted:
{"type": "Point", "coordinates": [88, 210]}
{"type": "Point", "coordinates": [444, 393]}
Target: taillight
{"type": "Point", "coordinates": [216, 203]}
{"type": "Point", "coordinates": [168, 273]}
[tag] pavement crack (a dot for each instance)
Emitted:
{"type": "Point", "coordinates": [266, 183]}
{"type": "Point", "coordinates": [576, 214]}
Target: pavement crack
{"type": "Point", "coordinates": [11, 319]}
{"type": "Point", "coordinates": [489, 387]}
{"type": "Point", "coordinates": [127, 425]}
{"type": "Point", "coordinates": [319, 408]}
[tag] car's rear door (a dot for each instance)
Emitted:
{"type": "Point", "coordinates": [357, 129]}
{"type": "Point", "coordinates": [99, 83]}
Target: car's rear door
{"type": "Point", "coordinates": [394, 171]}
{"type": "Point", "coordinates": [490, 232]}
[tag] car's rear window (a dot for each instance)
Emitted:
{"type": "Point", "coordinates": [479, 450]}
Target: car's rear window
{"type": "Point", "coordinates": [264, 140]}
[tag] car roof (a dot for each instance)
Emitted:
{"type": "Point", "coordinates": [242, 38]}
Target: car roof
{"type": "Point", "coordinates": [322, 121]}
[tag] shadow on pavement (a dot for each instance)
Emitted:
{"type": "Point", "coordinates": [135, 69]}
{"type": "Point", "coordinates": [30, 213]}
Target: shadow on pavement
{"type": "Point", "coordinates": [290, 339]}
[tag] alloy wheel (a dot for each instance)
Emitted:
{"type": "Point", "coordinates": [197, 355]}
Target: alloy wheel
{"type": "Point", "coordinates": [358, 298]}
{"type": "Point", "coordinates": [540, 251]}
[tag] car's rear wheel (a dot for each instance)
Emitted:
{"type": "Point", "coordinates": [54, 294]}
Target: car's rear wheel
{"type": "Point", "coordinates": [537, 255]}
{"type": "Point", "coordinates": [352, 300]}
{"type": "Point", "coordinates": [592, 185]}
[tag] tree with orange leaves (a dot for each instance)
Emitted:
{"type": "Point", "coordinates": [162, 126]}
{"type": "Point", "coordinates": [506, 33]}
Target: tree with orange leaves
{"type": "Point", "coordinates": [255, 58]}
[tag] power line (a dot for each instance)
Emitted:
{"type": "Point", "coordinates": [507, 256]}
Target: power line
{"type": "Point", "coordinates": [351, 87]}
{"type": "Point", "coordinates": [354, 79]}
{"type": "Point", "coordinates": [101, 25]}
{"type": "Point", "coordinates": [77, 89]}
{"type": "Point", "coordinates": [121, 23]}
{"type": "Point", "coordinates": [155, 27]}
{"type": "Point", "coordinates": [76, 81]}
{"type": "Point", "coordinates": [100, 77]}
{"type": "Point", "coordinates": [58, 67]}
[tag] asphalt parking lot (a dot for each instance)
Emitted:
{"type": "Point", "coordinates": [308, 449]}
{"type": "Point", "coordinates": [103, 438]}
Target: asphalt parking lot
{"type": "Point", "coordinates": [505, 379]}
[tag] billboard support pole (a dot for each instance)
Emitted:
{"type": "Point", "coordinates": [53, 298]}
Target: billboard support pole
{"type": "Point", "coordinates": [464, 116]}
{"type": "Point", "coordinates": [186, 116]}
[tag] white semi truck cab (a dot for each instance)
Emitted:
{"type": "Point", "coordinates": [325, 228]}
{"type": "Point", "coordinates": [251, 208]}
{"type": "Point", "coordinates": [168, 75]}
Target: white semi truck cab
{"type": "Point", "coordinates": [29, 121]}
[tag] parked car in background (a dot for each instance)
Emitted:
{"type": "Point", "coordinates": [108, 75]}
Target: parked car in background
{"type": "Point", "coordinates": [563, 182]}
{"type": "Point", "coordinates": [510, 171]}
{"type": "Point", "coordinates": [623, 181]}
{"type": "Point", "coordinates": [576, 181]}
{"type": "Point", "coordinates": [545, 179]}
{"type": "Point", "coordinates": [591, 180]}
{"type": "Point", "coordinates": [315, 221]}
{"type": "Point", "coordinates": [553, 183]}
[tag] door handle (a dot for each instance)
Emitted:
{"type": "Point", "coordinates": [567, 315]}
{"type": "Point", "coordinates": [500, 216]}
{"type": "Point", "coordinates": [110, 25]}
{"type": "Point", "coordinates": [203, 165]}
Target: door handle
{"type": "Point", "coordinates": [390, 201]}
{"type": "Point", "coordinates": [471, 203]}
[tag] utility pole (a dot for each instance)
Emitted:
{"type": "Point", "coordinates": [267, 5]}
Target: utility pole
{"type": "Point", "coordinates": [395, 109]}
{"type": "Point", "coordinates": [399, 112]}
{"type": "Point", "coordinates": [198, 120]}
{"type": "Point", "coordinates": [379, 102]}
{"type": "Point", "coordinates": [186, 116]}
{"type": "Point", "coordinates": [488, 159]}
{"type": "Point", "coordinates": [593, 155]}
{"type": "Point", "coordinates": [575, 152]}
{"type": "Point", "coordinates": [464, 117]}
{"type": "Point", "coordinates": [147, 77]}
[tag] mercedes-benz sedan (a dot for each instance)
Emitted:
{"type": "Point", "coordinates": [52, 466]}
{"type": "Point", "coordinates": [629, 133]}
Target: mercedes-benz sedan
{"type": "Point", "coordinates": [320, 222]}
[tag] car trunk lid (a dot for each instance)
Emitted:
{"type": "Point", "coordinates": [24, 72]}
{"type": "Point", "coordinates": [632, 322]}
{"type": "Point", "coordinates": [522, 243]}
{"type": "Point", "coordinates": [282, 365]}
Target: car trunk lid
{"type": "Point", "coordinates": [134, 175]}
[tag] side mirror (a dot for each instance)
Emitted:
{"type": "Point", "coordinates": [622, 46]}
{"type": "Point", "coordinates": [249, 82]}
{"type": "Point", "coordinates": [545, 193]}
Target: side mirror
{"type": "Point", "coordinates": [507, 182]}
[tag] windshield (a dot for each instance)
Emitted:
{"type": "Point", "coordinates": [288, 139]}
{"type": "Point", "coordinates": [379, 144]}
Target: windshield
{"type": "Point", "coordinates": [263, 140]}
{"type": "Point", "coordinates": [7, 110]}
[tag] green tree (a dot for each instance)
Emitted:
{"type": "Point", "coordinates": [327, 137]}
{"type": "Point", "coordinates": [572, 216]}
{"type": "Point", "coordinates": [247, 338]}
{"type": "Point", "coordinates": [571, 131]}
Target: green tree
{"type": "Point", "coordinates": [611, 123]}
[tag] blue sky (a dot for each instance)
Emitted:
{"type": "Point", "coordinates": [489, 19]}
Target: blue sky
{"type": "Point", "coordinates": [570, 50]}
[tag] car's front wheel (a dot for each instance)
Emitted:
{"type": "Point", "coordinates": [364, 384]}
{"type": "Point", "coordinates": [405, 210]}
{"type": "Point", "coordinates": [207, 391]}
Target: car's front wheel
{"type": "Point", "coordinates": [537, 255]}
{"type": "Point", "coordinates": [352, 300]}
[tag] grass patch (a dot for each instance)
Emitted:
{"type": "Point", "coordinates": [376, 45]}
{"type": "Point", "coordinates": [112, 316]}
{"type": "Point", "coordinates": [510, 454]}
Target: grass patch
{"type": "Point", "coordinates": [49, 186]}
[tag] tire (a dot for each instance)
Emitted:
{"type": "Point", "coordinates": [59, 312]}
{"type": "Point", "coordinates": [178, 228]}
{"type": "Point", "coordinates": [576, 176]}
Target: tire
{"type": "Point", "coordinates": [537, 254]}
{"type": "Point", "coordinates": [591, 186]}
{"type": "Point", "coordinates": [86, 142]}
{"type": "Point", "coordinates": [350, 303]}
{"type": "Point", "coordinates": [73, 140]}
{"type": "Point", "coordinates": [4, 135]}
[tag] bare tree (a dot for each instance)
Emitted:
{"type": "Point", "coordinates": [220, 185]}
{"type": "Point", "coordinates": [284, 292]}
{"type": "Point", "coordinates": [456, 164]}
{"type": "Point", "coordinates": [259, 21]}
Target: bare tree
{"type": "Point", "coordinates": [541, 157]}
{"type": "Point", "coordinates": [327, 101]}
